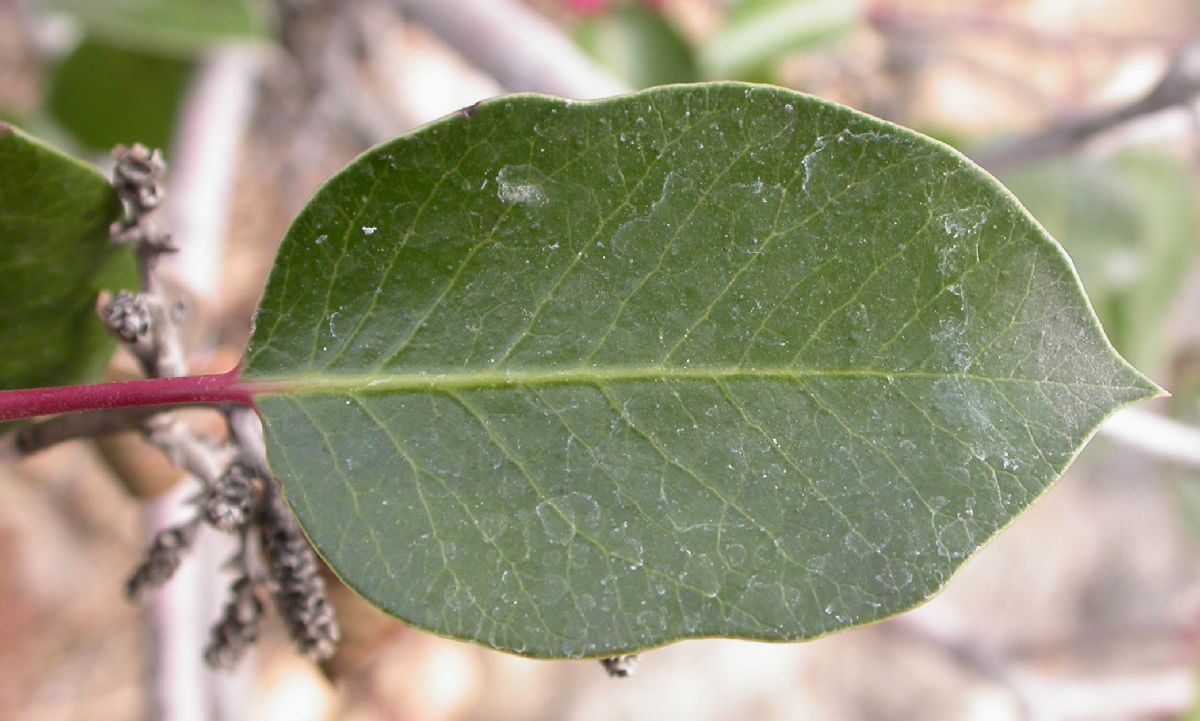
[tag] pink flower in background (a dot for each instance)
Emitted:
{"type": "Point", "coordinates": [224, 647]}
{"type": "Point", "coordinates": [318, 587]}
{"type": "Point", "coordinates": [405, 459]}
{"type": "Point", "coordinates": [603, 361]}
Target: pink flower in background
{"type": "Point", "coordinates": [587, 7]}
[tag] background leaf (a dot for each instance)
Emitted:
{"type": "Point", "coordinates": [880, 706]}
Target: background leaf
{"type": "Point", "coordinates": [90, 94]}
{"type": "Point", "coordinates": [55, 256]}
{"type": "Point", "coordinates": [168, 27]}
{"type": "Point", "coordinates": [570, 379]}
{"type": "Point", "coordinates": [757, 33]}
{"type": "Point", "coordinates": [639, 45]}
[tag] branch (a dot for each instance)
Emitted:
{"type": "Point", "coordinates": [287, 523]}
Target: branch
{"type": "Point", "coordinates": [1039, 694]}
{"type": "Point", "coordinates": [204, 460]}
{"type": "Point", "coordinates": [40, 435]}
{"type": "Point", "coordinates": [522, 50]}
{"type": "Point", "coordinates": [214, 119]}
{"type": "Point", "coordinates": [151, 332]}
{"type": "Point", "coordinates": [247, 432]}
{"type": "Point", "coordinates": [213, 122]}
{"type": "Point", "coordinates": [898, 18]}
{"type": "Point", "coordinates": [1156, 435]}
{"type": "Point", "coordinates": [1179, 86]}
{"type": "Point", "coordinates": [937, 626]}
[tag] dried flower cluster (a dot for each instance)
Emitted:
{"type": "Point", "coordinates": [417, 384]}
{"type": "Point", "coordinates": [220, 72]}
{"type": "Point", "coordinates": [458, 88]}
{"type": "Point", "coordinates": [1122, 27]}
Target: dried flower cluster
{"type": "Point", "coordinates": [128, 316]}
{"type": "Point", "coordinates": [238, 628]}
{"type": "Point", "coordinates": [163, 558]}
{"type": "Point", "coordinates": [238, 496]}
{"type": "Point", "coordinates": [228, 503]}
{"type": "Point", "coordinates": [297, 585]}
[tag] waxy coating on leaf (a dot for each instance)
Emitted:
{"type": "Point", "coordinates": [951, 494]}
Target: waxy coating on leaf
{"type": "Point", "coordinates": [580, 378]}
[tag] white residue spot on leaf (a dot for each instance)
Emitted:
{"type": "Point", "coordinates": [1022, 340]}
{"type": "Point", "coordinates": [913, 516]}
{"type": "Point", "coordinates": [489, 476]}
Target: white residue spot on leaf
{"type": "Point", "coordinates": [857, 544]}
{"type": "Point", "coordinates": [950, 344]}
{"type": "Point", "coordinates": [825, 162]}
{"type": "Point", "coordinates": [955, 539]}
{"type": "Point", "coordinates": [964, 222]}
{"type": "Point", "coordinates": [624, 546]}
{"type": "Point", "coordinates": [369, 229]}
{"type": "Point", "coordinates": [521, 185]}
{"type": "Point", "coordinates": [809, 158]}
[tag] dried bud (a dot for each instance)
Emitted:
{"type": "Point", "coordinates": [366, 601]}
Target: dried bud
{"type": "Point", "coordinates": [238, 627]}
{"type": "Point", "coordinates": [227, 505]}
{"type": "Point", "coordinates": [128, 316]}
{"type": "Point", "coordinates": [298, 587]}
{"type": "Point", "coordinates": [137, 176]}
{"type": "Point", "coordinates": [162, 559]}
{"type": "Point", "coordinates": [620, 666]}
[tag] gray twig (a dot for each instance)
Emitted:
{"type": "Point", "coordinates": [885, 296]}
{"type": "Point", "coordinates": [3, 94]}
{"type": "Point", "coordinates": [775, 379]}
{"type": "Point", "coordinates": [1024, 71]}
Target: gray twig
{"type": "Point", "coordinates": [1179, 86]}
{"type": "Point", "coordinates": [238, 496]}
{"type": "Point", "coordinates": [515, 45]}
{"type": "Point", "coordinates": [36, 436]}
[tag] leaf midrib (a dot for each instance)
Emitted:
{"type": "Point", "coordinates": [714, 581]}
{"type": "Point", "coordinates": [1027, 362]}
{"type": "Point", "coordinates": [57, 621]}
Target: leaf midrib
{"type": "Point", "coordinates": [331, 383]}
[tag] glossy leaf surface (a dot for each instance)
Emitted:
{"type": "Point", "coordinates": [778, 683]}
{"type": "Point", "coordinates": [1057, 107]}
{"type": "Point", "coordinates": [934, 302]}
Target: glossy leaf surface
{"type": "Point", "coordinates": [569, 379]}
{"type": "Point", "coordinates": [54, 257]}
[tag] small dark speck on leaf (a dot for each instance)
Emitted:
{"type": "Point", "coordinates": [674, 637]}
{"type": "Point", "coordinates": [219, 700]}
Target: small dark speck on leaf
{"type": "Point", "coordinates": [469, 111]}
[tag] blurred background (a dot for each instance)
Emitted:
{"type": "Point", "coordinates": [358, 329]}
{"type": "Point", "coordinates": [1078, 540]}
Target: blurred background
{"type": "Point", "coordinates": [1088, 607]}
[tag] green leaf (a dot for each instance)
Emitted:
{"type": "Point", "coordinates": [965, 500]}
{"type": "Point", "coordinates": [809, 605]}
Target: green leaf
{"type": "Point", "coordinates": [89, 95]}
{"type": "Point", "coordinates": [576, 378]}
{"type": "Point", "coordinates": [1131, 224]}
{"type": "Point", "coordinates": [639, 45]}
{"type": "Point", "coordinates": [759, 32]}
{"type": "Point", "coordinates": [54, 253]}
{"type": "Point", "coordinates": [169, 27]}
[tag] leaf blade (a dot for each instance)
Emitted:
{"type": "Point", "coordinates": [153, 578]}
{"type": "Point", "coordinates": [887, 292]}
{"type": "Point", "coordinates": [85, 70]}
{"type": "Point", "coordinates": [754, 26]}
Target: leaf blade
{"type": "Point", "coordinates": [55, 253]}
{"type": "Point", "coordinates": [714, 360]}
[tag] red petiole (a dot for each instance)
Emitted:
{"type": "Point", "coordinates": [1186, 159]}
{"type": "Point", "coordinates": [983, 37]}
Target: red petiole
{"type": "Point", "coordinates": [189, 390]}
